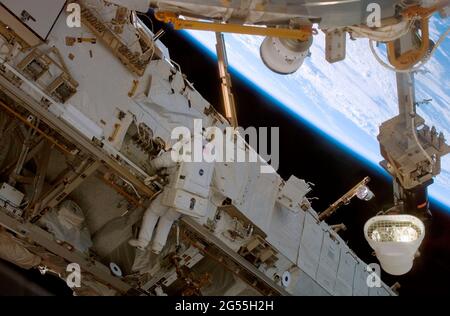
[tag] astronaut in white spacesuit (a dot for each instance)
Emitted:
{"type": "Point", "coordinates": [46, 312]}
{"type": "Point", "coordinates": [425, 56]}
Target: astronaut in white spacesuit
{"type": "Point", "coordinates": [187, 193]}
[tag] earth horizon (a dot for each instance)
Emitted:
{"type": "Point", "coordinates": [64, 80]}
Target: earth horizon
{"type": "Point", "coordinates": [348, 100]}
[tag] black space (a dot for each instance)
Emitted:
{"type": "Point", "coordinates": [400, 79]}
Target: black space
{"type": "Point", "coordinates": [308, 155]}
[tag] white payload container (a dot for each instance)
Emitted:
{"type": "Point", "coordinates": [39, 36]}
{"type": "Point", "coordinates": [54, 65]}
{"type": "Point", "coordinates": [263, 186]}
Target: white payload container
{"type": "Point", "coordinates": [395, 239]}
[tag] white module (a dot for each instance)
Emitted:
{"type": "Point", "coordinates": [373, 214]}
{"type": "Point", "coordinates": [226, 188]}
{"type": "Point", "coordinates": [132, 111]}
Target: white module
{"type": "Point", "coordinates": [39, 16]}
{"type": "Point", "coordinates": [293, 192]}
{"type": "Point", "coordinates": [11, 195]}
{"type": "Point", "coordinates": [194, 177]}
{"type": "Point", "coordinates": [185, 202]}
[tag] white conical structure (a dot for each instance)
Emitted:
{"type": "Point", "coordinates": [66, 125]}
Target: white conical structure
{"type": "Point", "coordinates": [284, 56]}
{"type": "Point", "coordinates": [395, 239]}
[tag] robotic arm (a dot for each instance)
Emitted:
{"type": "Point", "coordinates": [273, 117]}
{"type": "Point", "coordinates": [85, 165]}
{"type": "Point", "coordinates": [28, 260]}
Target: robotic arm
{"type": "Point", "coordinates": [412, 150]}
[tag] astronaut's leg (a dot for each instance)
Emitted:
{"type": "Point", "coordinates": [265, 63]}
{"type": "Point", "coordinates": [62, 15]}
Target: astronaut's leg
{"type": "Point", "coordinates": [163, 161]}
{"type": "Point", "coordinates": [162, 230]}
{"type": "Point", "coordinates": [151, 216]}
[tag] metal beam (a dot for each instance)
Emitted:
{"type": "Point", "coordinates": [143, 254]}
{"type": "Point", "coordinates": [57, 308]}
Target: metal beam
{"type": "Point", "coordinates": [225, 81]}
{"type": "Point", "coordinates": [46, 240]}
{"type": "Point", "coordinates": [343, 200]}
{"type": "Point", "coordinates": [42, 162]}
{"type": "Point", "coordinates": [302, 33]}
{"type": "Point", "coordinates": [64, 187]}
{"type": "Point", "coordinates": [71, 134]}
{"type": "Point", "coordinates": [257, 276]}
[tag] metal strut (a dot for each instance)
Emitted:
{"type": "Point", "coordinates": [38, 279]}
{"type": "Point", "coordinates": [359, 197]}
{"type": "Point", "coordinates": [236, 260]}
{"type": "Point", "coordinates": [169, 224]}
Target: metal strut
{"type": "Point", "coordinates": [225, 81]}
